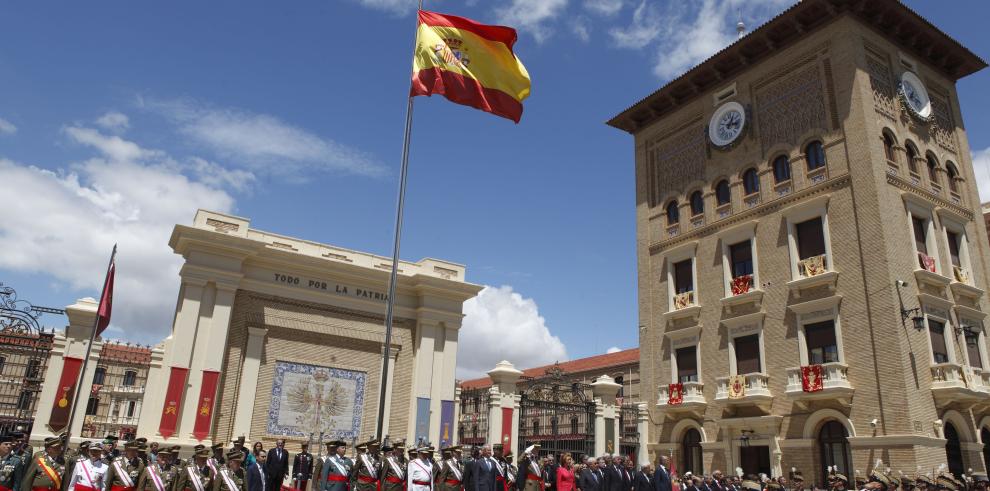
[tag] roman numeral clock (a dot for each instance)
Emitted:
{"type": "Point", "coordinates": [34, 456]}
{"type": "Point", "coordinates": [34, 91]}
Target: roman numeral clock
{"type": "Point", "coordinates": [727, 125]}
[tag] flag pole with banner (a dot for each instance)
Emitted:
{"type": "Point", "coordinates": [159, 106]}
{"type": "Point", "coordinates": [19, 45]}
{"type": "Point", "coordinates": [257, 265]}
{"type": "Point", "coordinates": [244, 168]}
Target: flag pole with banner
{"type": "Point", "coordinates": [100, 323]}
{"type": "Point", "coordinates": [468, 63]}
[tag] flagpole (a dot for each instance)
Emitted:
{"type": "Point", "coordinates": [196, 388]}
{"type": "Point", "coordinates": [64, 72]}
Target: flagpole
{"type": "Point", "coordinates": [89, 348]}
{"type": "Point", "coordinates": [390, 301]}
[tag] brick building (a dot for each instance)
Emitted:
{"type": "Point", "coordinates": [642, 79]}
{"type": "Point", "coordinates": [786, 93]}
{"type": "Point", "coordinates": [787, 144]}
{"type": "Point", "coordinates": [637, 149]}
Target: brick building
{"type": "Point", "coordinates": [812, 261]}
{"type": "Point", "coordinates": [117, 391]}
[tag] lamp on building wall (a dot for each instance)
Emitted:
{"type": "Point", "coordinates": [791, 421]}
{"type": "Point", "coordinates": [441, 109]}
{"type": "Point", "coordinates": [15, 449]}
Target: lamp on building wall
{"type": "Point", "coordinates": [914, 314]}
{"type": "Point", "coordinates": [971, 333]}
{"type": "Point", "coordinates": [744, 439]}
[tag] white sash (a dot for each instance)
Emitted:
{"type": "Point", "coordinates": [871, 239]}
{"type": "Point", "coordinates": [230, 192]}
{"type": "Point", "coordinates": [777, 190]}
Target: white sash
{"type": "Point", "coordinates": [155, 478]}
{"type": "Point", "coordinates": [509, 475]}
{"type": "Point", "coordinates": [225, 474]}
{"type": "Point", "coordinates": [498, 465]}
{"type": "Point", "coordinates": [124, 476]}
{"type": "Point", "coordinates": [340, 467]}
{"type": "Point", "coordinates": [368, 464]}
{"type": "Point", "coordinates": [395, 467]}
{"type": "Point", "coordinates": [536, 467]}
{"type": "Point", "coordinates": [213, 467]}
{"type": "Point", "coordinates": [89, 477]}
{"type": "Point", "coordinates": [453, 467]}
{"type": "Point", "coordinates": [193, 473]}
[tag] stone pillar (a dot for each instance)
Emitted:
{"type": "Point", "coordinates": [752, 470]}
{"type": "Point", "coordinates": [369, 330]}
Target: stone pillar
{"type": "Point", "coordinates": [457, 416]}
{"type": "Point", "coordinates": [249, 382]}
{"type": "Point", "coordinates": [152, 399]}
{"type": "Point", "coordinates": [503, 396]}
{"type": "Point", "coordinates": [605, 390]}
{"type": "Point", "coordinates": [425, 347]}
{"type": "Point", "coordinates": [643, 428]}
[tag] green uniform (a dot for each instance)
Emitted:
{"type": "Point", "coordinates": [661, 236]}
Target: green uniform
{"type": "Point", "coordinates": [450, 471]}
{"type": "Point", "coordinates": [365, 473]}
{"type": "Point", "coordinates": [147, 481]}
{"type": "Point", "coordinates": [38, 474]}
{"type": "Point", "coordinates": [315, 482]}
{"type": "Point", "coordinates": [230, 480]}
{"type": "Point", "coordinates": [127, 476]}
{"type": "Point", "coordinates": [393, 474]}
{"type": "Point", "coordinates": [11, 471]}
{"type": "Point", "coordinates": [339, 467]}
{"type": "Point", "coordinates": [184, 481]}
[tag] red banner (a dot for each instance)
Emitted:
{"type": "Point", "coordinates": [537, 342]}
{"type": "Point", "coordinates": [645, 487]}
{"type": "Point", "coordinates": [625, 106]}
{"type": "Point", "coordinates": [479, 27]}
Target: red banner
{"type": "Point", "coordinates": [675, 394]}
{"type": "Point", "coordinates": [811, 378]}
{"type": "Point", "coordinates": [507, 429]}
{"type": "Point", "coordinates": [65, 394]}
{"type": "Point", "coordinates": [173, 401]}
{"type": "Point", "coordinates": [204, 410]}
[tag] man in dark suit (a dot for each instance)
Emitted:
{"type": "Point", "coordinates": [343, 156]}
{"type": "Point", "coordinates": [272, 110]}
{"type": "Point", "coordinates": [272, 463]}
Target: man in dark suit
{"type": "Point", "coordinates": [550, 473]}
{"type": "Point", "coordinates": [255, 474]}
{"type": "Point", "coordinates": [277, 466]}
{"type": "Point", "coordinates": [644, 479]}
{"type": "Point", "coordinates": [590, 479]}
{"type": "Point", "coordinates": [661, 478]}
{"type": "Point", "coordinates": [302, 468]}
{"type": "Point", "coordinates": [468, 479]}
{"type": "Point", "coordinates": [484, 471]}
{"type": "Point", "coordinates": [615, 476]}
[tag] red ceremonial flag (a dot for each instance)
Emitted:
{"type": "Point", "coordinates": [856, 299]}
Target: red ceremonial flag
{"type": "Point", "coordinates": [65, 394]}
{"type": "Point", "coordinates": [106, 299]}
{"type": "Point", "coordinates": [811, 378]}
{"type": "Point", "coordinates": [673, 472]}
{"type": "Point", "coordinates": [204, 409]}
{"type": "Point", "coordinates": [173, 401]}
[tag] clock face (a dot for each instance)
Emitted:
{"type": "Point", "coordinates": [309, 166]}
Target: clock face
{"type": "Point", "coordinates": [727, 124]}
{"type": "Point", "coordinates": [915, 95]}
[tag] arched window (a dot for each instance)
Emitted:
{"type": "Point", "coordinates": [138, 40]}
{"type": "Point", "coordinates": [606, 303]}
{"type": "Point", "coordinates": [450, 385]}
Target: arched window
{"type": "Point", "coordinates": [953, 174]}
{"type": "Point", "coordinates": [536, 427]}
{"type": "Point", "coordinates": [130, 378]}
{"type": "Point", "coordinates": [912, 154]}
{"type": "Point", "coordinates": [888, 147]}
{"type": "Point", "coordinates": [574, 425]}
{"type": "Point", "coordinates": [953, 450]}
{"type": "Point", "coordinates": [474, 431]}
{"type": "Point", "coordinates": [99, 375]}
{"type": "Point", "coordinates": [751, 182]}
{"type": "Point", "coordinates": [833, 444]}
{"type": "Point", "coordinates": [722, 193]}
{"type": "Point", "coordinates": [985, 437]}
{"type": "Point", "coordinates": [691, 450]}
{"type": "Point", "coordinates": [673, 213]}
{"type": "Point", "coordinates": [932, 168]}
{"type": "Point", "coordinates": [781, 169]}
{"type": "Point", "coordinates": [814, 153]}
{"type": "Point", "coordinates": [697, 203]}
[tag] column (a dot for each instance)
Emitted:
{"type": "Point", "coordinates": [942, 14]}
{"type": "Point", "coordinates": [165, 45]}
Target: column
{"type": "Point", "coordinates": [445, 368]}
{"type": "Point", "coordinates": [643, 428]}
{"type": "Point", "coordinates": [457, 416]}
{"type": "Point", "coordinates": [607, 432]}
{"type": "Point", "coordinates": [504, 401]}
{"type": "Point", "coordinates": [422, 374]}
{"type": "Point", "coordinates": [390, 383]}
{"type": "Point", "coordinates": [148, 420]}
{"type": "Point", "coordinates": [437, 386]}
{"type": "Point", "coordinates": [249, 382]}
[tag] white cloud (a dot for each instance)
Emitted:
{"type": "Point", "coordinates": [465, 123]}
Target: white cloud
{"type": "Point", "coordinates": [532, 16]}
{"type": "Point", "coordinates": [604, 7]}
{"type": "Point", "coordinates": [981, 167]}
{"type": "Point", "coordinates": [397, 7]}
{"type": "Point", "coordinates": [114, 121]}
{"type": "Point", "coordinates": [581, 28]}
{"type": "Point", "coordinates": [645, 27]}
{"type": "Point", "coordinates": [613, 349]}
{"type": "Point", "coordinates": [64, 224]}
{"type": "Point", "coordinates": [6, 127]}
{"type": "Point", "coordinates": [500, 324]}
{"type": "Point", "coordinates": [263, 143]}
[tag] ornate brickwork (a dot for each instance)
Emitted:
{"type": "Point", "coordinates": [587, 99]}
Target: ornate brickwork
{"type": "Point", "coordinates": [676, 159]}
{"type": "Point", "coordinates": [884, 99]}
{"type": "Point", "coordinates": [942, 126]}
{"type": "Point", "coordinates": [790, 107]}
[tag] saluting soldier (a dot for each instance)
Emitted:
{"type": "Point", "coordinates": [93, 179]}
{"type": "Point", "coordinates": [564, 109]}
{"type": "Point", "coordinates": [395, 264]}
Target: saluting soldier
{"type": "Point", "coordinates": [336, 471]}
{"type": "Point", "coordinates": [364, 475]}
{"type": "Point", "coordinates": [393, 474]}
{"type": "Point", "coordinates": [46, 470]}
{"type": "Point", "coordinates": [419, 475]}
{"type": "Point", "coordinates": [87, 475]}
{"type": "Point", "coordinates": [125, 470]}
{"type": "Point", "coordinates": [232, 476]}
{"type": "Point", "coordinates": [196, 475]}
{"type": "Point", "coordinates": [11, 468]}
{"type": "Point", "coordinates": [529, 469]}
{"type": "Point", "coordinates": [155, 477]}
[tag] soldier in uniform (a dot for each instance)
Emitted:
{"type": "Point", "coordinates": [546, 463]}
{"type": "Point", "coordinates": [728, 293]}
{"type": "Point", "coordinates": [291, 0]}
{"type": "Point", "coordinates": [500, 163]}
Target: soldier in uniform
{"type": "Point", "coordinates": [302, 468]}
{"type": "Point", "coordinates": [499, 467]}
{"type": "Point", "coordinates": [511, 472]}
{"type": "Point", "coordinates": [451, 473]}
{"type": "Point", "coordinates": [195, 475]}
{"type": "Point", "coordinates": [11, 468]}
{"type": "Point", "coordinates": [364, 475]}
{"type": "Point", "coordinates": [393, 475]}
{"type": "Point", "coordinates": [125, 470]}
{"type": "Point", "coordinates": [420, 472]}
{"type": "Point", "coordinates": [335, 474]}
{"type": "Point", "coordinates": [216, 461]}
{"type": "Point", "coordinates": [232, 476]}
{"type": "Point", "coordinates": [46, 470]}
{"type": "Point", "coordinates": [88, 474]}
{"type": "Point", "coordinates": [529, 470]}
{"type": "Point", "coordinates": [110, 451]}
{"type": "Point", "coordinates": [155, 477]}
{"type": "Point", "coordinates": [80, 455]}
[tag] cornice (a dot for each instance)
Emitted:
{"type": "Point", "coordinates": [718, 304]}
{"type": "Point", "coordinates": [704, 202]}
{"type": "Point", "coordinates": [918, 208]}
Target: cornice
{"type": "Point", "coordinates": [917, 192]}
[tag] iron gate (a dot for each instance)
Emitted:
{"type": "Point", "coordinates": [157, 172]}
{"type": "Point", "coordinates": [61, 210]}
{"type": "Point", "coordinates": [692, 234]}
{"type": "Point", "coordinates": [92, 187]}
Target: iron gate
{"type": "Point", "coordinates": [629, 428]}
{"type": "Point", "coordinates": [472, 429]}
{"type": "Point", "coordinates": [558, 415]}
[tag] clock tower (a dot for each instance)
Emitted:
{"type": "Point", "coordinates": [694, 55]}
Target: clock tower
{"type": "Point", "coordinates": [811, 255]}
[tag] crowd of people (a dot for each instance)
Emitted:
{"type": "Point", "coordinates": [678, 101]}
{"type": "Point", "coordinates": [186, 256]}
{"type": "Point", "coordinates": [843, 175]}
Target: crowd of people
{"type": "Point", "coordinates": [138, 465]}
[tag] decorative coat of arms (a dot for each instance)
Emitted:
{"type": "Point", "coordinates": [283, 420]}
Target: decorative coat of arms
{"type": "Point", "coordinates": [309, 398]}
{"type": "Point", "coordinates": [737, 387]}
{"type": "Point", "coordinates": [675, 394]}
{"type": "Point", "coordinates": [811, 378]}
{"type": "Point", "coordinates": [451, 52]}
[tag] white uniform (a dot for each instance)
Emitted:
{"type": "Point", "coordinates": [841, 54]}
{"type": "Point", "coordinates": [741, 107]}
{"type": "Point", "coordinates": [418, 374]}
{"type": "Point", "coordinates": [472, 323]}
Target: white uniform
{"type": "Point", "coordinates": [419, 471]}
{"type": "Point", "coordinates": [89, 473]}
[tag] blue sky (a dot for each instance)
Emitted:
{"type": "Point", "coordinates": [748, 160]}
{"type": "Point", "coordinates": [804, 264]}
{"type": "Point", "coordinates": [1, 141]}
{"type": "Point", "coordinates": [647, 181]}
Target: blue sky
{"type": "Point", "coordinates": [119, 119]}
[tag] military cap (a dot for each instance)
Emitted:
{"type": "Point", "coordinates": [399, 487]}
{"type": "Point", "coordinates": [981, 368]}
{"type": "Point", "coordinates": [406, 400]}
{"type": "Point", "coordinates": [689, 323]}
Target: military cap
{"type": "Point", "coordinates": [925, 479]}
{"type": "Point", "coordinates": [133, 445]}
{"type": "Point", "coordinates": [110, 439]}
{"type": "Point", "coordinates": [400, 445]}
{"type": "Point", "coordinates": [751, 485]}
{"type": "Point", "coordinates": [203, 452]}
{"type": "Point", "coordinates": [906, 481]}
{"type": "Point", "coordinates": [413, 450]}
{"type": "Point", "coordinates": [141, 440]}
{"type": "Point", "coordinates": [497, 446]}
{"type": "Point", "coordinates": [424, 449]}
{"type": "Point", "coordinates": [85, 444]}
{"type": "Point", "coordinates": [239, 439]}
{"type": "Point", "coordinates": [836, 476]}
{"type": "Point", "coordinates": [217, 446]}
{"type": "Point", "coordinates": [774, 485]}
{"type": "Point", "coordinates": [7, 438]}
{"type": "Point", "coordinates": [235, 454]}
{"type": "Point", "coordinates": [51, 442]}
{"type": "Point", "coordinates": [174, 451]}
{"type": "Point", "coordinates": [946, 482]}
{"type": "Point", "coordinates": [95, 448]}
{"type": "Point", "coordinates": [199, 447]}
{"type": "Point", "coordinates": [142, 447]}
{"type": "Point", "coordinates": [979, 477]}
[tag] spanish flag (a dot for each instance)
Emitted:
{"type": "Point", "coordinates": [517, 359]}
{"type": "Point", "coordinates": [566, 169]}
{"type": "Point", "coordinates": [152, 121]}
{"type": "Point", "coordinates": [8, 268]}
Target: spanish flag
{"type": "Point", "coordinates": [469, 63]}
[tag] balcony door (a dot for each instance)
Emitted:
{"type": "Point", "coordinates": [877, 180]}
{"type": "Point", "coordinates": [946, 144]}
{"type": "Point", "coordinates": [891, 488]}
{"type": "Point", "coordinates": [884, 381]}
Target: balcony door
{"type": "Point", "coordinates": [985, 438]}
{"type": "Point", "coordinates": [953, 450]}
{"type": "Point", "coordinates": [833, 444]}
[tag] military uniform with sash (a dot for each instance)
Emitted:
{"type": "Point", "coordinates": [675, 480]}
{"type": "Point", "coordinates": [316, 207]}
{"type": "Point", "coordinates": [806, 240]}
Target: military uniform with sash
{"type": "Point", "coordinates": [335, 470]}
{"type": "Point", "coordinates": [216, 461]}
{"type": "Point", "coordinates": [232, 479]}
{"type": "Point", "coordinates": [530, 471]}
{"type": "Point", "coordinates": [124, 473]}
{"type": "Point", "coordinates": [155, 477]}
{"type": "Point", "coordinates": [420, 473]}
{"type": "Point", "coordinates": [364, 475]}
{"type": "Point", "coordinates": [511, 472]}
{"type": "Point", "coordinates": [88, 474]}
{"type": "Point", "coordinates": [451, 473]}
{"type": "Point", "coordinates": [393, 476]}
{"type": "Point", "coordinates": [46, 470]}
{"type": "Point", "coordinates": [195, 477]}
{"type": "Point", "coordinates": [11, 468]}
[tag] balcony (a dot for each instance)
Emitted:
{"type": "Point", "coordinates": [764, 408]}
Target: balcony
{"type": "Point", "coordinates": [692, 400]}
{"type": "Point", "coordinates": [125, 389]}
{"type": "Point", "coordinates": [953, 383]}
{"type": "Point", "coordinates": [751, 389]}
{"type": "Point", "coordinates": [813, 272]}
{"type": "Point", "coordinates": [743, 292]}
{"type": "Point", "coordinates": [929, 279]}
{"type": "Point", "coordinates": [124, 420]}
{"type": "Point", "coordinates": [684, 306]}
{"type": "Point", "coordinates": [834, 385]}
{"type": "Point", "coordinates": [962, 286]}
